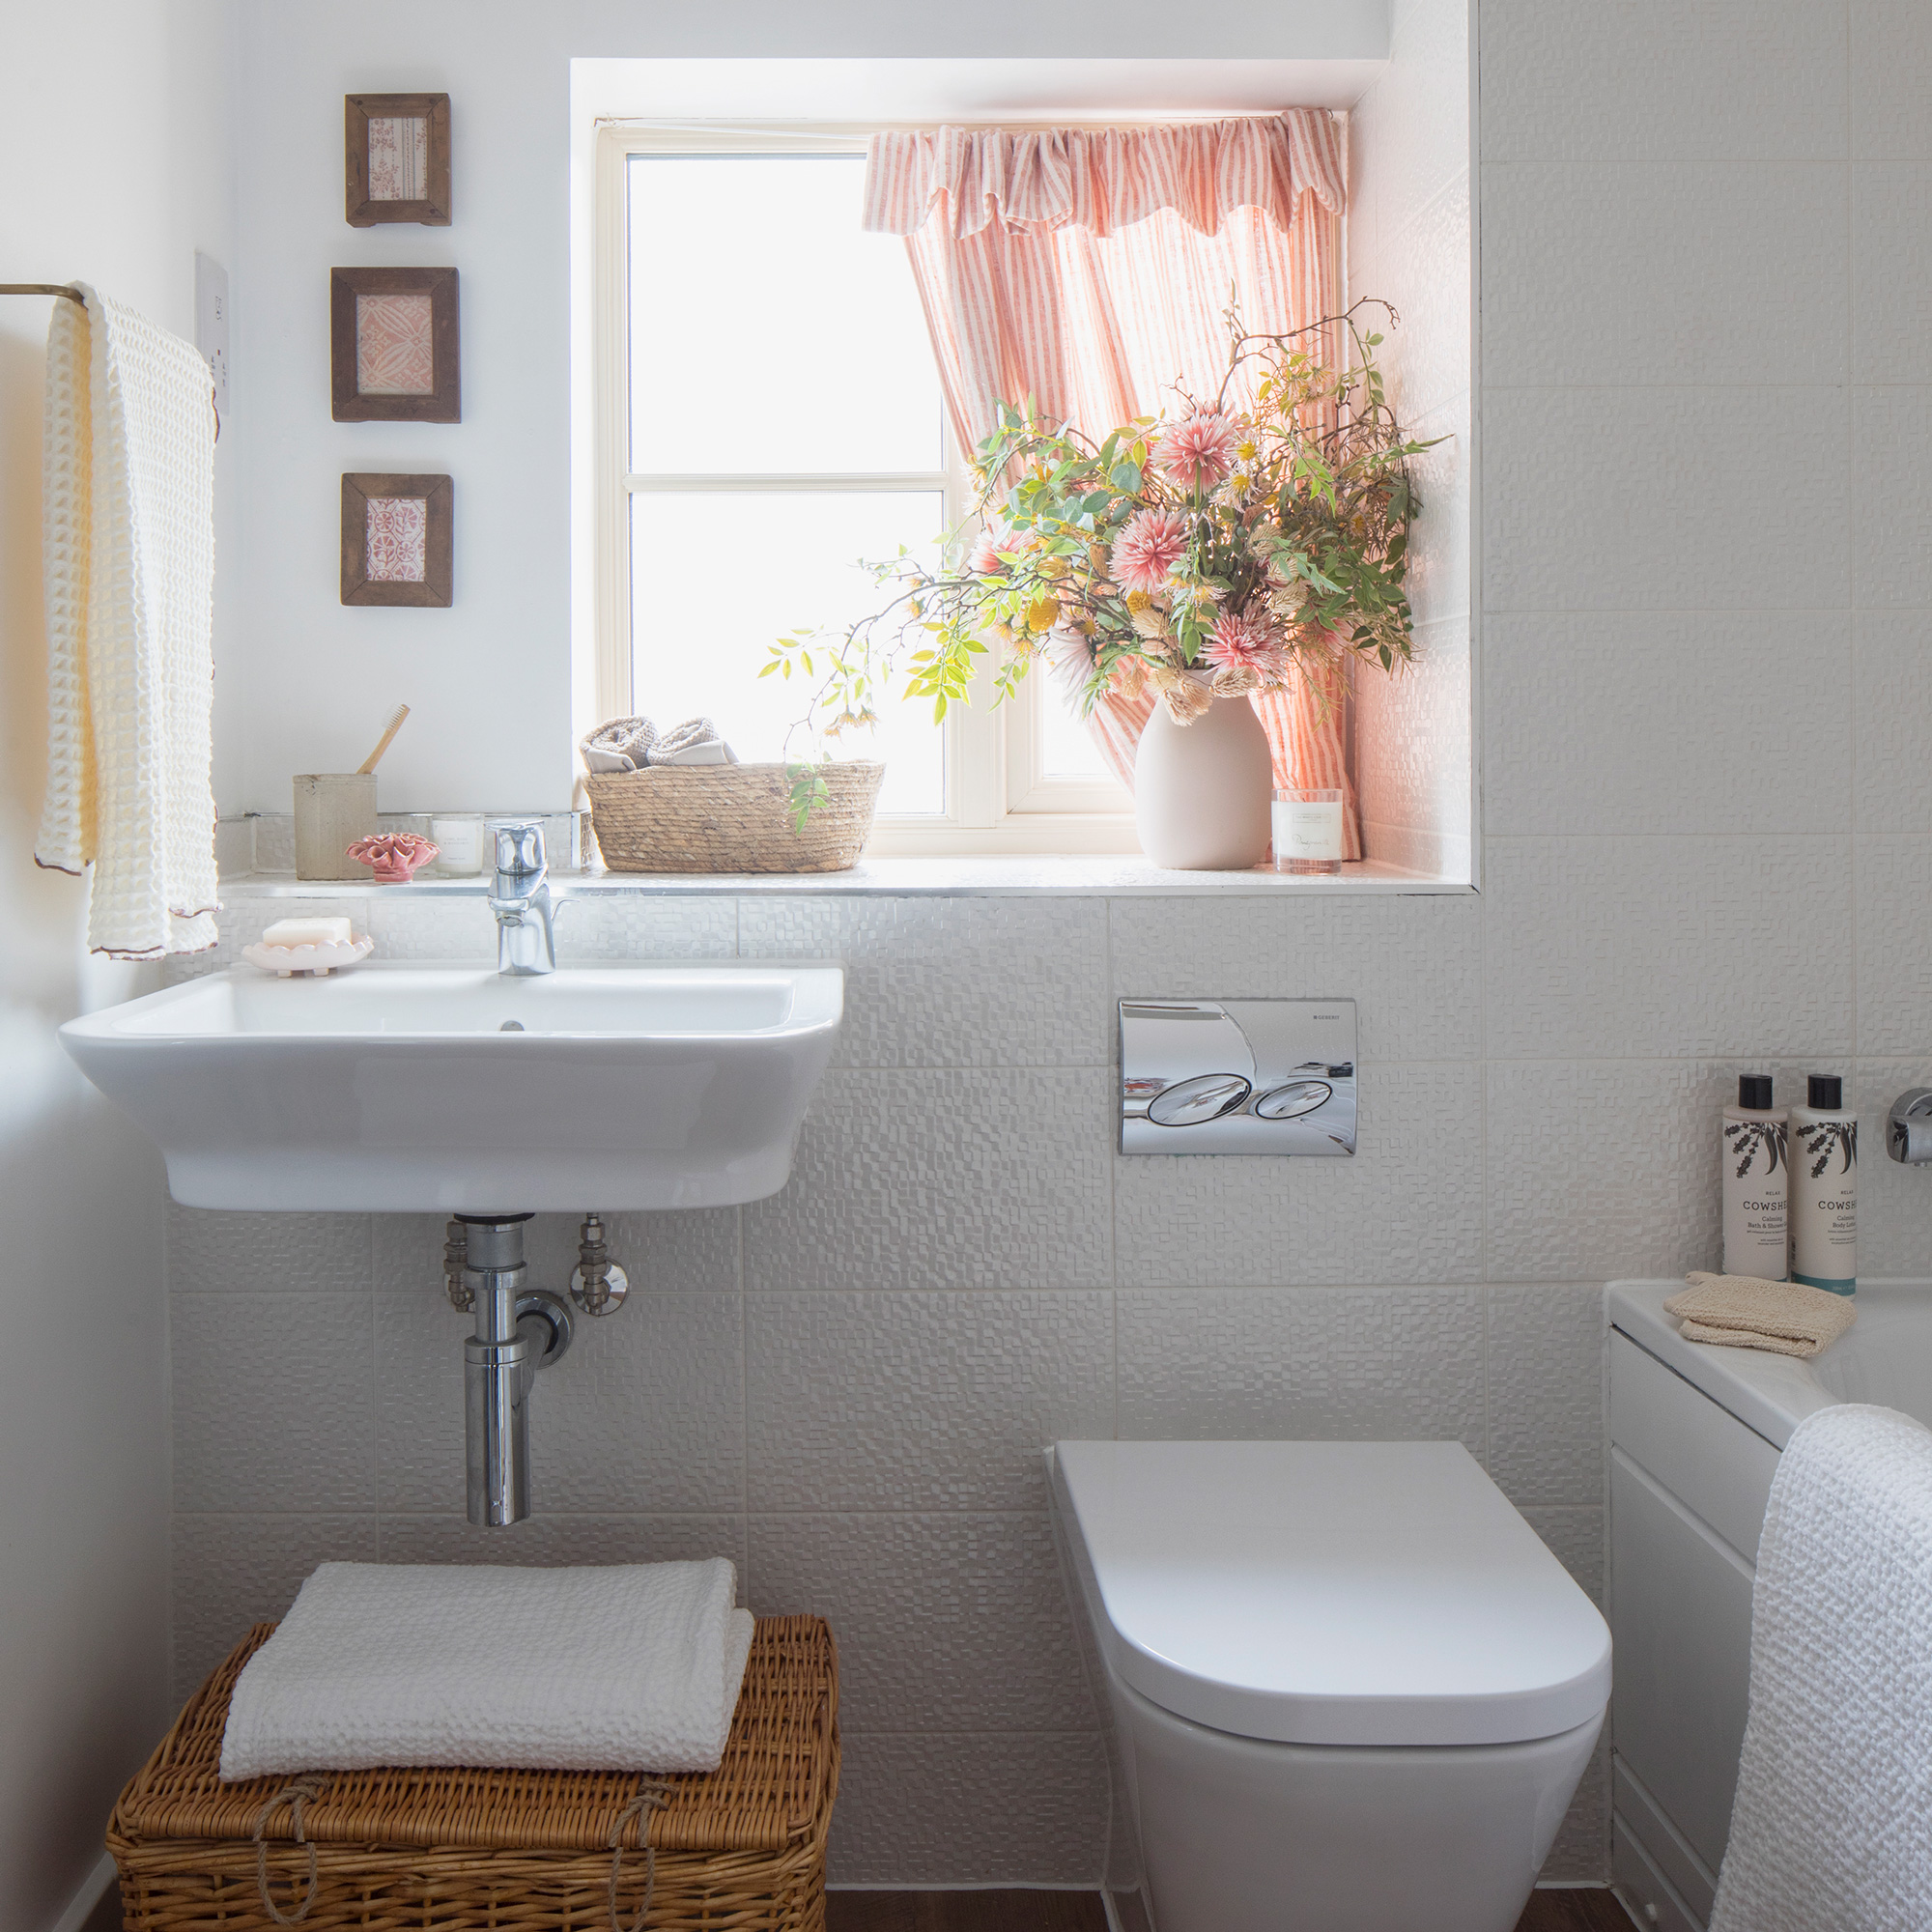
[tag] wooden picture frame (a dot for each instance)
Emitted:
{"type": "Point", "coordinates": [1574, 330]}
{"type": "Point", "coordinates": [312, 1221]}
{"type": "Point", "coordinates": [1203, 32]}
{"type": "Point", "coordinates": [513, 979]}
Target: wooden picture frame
{"type": "Point", "coordinates": [390, 553]}
{"type": "Point", "coordinates": [393, 345]}
{"type": "Point", "coordinates": [407, 176]}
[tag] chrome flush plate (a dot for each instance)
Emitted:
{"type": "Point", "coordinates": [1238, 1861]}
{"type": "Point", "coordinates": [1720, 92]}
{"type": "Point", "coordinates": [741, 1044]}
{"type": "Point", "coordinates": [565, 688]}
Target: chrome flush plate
{"type": "Point", "coordinates": [1237, 1076]}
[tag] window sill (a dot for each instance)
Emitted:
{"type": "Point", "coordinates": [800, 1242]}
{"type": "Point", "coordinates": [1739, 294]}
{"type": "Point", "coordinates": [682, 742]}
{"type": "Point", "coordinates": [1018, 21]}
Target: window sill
{"type": "Point", "coordinates": [1081, 876]}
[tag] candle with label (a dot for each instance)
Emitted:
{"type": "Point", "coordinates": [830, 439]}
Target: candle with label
{"type": "Point", "coordinates": [1307, 830]}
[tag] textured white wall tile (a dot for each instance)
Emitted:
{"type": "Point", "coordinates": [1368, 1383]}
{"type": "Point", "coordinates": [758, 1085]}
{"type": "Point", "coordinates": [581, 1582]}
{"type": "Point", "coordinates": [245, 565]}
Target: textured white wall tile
{"type": "Point", "coordinates": [1894, 1201]}
{"type": "Point", "coordinates": [999, 1808]}
{"type": "Point", "coordinates": [972, 1633]}
{"type": "Point", "coordinates": [1600, 273]}
{"type": "Point", "coordinates": [1697, 720]}
{"type": "Point", "coordinates": [432, 929]}
{"type": "Point", "coordinates": [1892, 533]}
{"type": "Point", "coordinates": [214, 1252]}
{"type": "Point", "coordinates": [1893, 961]}
{"type": "Point", "coordinates": [1409, 136]}
{"type": "Point", "coordinates": [1576, 1539]}
{"type": "Point", "coordinates": [1425, 273]}
{"type": "Point", "coordinates": [1545, 1382]}
{"type": "Point", "coordinates": [953, 982]}
{"type": "Point", "coordinates": [920, 1402]}
{"type": "Point", "coordinates": [1654, 80]}
{"type": "Point", "coordinates": [1401, 1364]}
{"type": "Point", "coordinates": [1630, 947]}
{"type": "Point", "coordinates": [597, 929]}
{"type": "Point", "coordinates": [272, 1402]}
{"type": "Point", "coordinates": [1656, 521]}
{"type": "Point", "coordinates": [1603, 1169]}
{"type": "Point", "coordinates": [1891, 79]}
{"type": "Point", "coordinates": [547, 1540]}
{"type": "Point", "coordinates": [1438, 582]}
{"type": "Point", "coordinates": [1410, 1206]}
{"type": "Point", "coordinates": [946, 1179]}
{"type": "Point", "coordinates": [1891, 267]}
{"type": "Point", "coordinates": [1365, 948]}
{"type": "Point", "coordinates": [1412, 742]}
{"type": "Point", "coordinates": [234, 1570]}
{"type": "Point", "coordinates": [1202, 1220]}
{"type": "Point", "coordinates": [1892, 675]}
{"type": "Point", "coordinates": [645, 1414]}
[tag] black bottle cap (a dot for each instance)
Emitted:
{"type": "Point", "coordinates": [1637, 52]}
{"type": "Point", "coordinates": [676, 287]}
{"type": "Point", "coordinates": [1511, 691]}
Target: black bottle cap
{"type": "Point", "coordinates": [1754, 1089]}
{"type": "Point", "coordinates": [1826, 1091]}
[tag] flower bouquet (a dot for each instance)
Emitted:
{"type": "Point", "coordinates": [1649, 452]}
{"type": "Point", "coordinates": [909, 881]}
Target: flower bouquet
{"type": "Point", "coordinates": [1216, 552]}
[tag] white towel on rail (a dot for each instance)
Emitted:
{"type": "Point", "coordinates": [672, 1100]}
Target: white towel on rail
{"type": "Point", "coordinates": [129, 561]}
{"type": "Point", "coordinates": [629, 1667]}
{"type": "Point", "coordinates": [1831, 1827]}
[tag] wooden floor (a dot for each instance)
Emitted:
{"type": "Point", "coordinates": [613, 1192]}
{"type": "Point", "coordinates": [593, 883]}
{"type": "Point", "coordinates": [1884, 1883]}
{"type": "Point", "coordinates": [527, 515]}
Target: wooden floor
{"type": "Point", "coordinates": [1571, 1909]}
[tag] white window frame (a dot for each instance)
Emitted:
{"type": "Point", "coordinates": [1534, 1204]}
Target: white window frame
{"type": "Point", "coordinates": [999, 799]}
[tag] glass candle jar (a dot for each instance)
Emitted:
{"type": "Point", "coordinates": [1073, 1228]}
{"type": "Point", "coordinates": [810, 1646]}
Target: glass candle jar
{"type": "Point", "coordinates": [459, 838]}
{"type": "Point", "coordinates": [1307, 830]}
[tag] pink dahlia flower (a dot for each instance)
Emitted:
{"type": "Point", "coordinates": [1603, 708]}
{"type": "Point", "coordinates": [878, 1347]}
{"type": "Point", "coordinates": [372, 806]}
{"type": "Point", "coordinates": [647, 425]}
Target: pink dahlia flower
{"type": "Point", "coordinates": [1239, 642]}
{"type": "Point", "coordinates": [1199, 451]}
{"type": "Point", "coordinates": [1146, 549]}
{"type": "Point", "coordinates": [984, 559]}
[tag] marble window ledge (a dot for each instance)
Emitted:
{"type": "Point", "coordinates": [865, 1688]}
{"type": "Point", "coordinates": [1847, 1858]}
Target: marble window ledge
{"type": "Point", "coordinates": [1071, 878]}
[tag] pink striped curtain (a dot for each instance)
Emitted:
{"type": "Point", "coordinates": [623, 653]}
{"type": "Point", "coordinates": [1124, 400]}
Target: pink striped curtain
{"type": "Point", "coordinates": [1090, 271]}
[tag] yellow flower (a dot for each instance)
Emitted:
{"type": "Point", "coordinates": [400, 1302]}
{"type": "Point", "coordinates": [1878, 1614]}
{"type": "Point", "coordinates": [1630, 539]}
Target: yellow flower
{"type": "Point", "coordinates": [1042, 613]}
{"type": "Point", "coordinates": [1053, 568]}
{"type": "Point", "coordinates": [1138, 601]}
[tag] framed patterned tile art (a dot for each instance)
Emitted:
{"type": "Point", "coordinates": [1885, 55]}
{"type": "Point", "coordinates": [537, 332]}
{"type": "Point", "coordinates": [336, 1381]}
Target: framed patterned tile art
{"type": "Point", "coordinates": [396, 540]}
{"type": "Point", "coordinates": [396, 158]}
{"type": "Point", "coordinates": [393, 343]}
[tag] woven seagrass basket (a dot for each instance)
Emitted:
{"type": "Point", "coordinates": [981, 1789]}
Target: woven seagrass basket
{"type": "Point", "coordinates": [742, 1847]}
{"type": "Point", "coordinates": [731, 819]}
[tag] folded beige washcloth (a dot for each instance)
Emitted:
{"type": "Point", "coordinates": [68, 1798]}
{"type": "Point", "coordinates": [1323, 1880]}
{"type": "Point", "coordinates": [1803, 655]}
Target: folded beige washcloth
{"type": "Point", "coordinates": [1739, 1311]}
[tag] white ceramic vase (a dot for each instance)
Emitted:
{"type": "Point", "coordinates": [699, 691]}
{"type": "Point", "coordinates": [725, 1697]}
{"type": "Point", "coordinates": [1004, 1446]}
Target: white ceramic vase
{"type": "Point", "coordinates": [1202, 791]}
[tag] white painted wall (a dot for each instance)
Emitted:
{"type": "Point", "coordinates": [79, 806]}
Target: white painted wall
{"type": "Point", "coordinates": [114, 149]}
{"type": "Point", "coordinates": [490, 677]}
{"type": "Point", "coordinates": [1411, 244]}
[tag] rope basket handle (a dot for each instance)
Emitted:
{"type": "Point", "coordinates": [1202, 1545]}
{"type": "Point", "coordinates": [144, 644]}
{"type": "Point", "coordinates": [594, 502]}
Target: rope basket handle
{"type": "Point", "coordinates": [651, 1795]}
{"type": "Point", "coordinates": [301, 1792]}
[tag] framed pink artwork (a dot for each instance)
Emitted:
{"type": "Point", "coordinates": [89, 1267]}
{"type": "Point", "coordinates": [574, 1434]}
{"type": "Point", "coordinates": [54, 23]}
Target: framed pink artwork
{"type": "Point", "coordinates": [396, 540]}
{"type": "Point", "coordinates": [396, 158]}
{"type": "Point", "coordinates": [393, 345]}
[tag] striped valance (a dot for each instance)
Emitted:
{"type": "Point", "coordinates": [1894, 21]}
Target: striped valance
{"type": "Point", "coordinates": [1103, 179]}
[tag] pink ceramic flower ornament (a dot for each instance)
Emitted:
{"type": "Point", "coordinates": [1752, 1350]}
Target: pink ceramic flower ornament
{"type": "Point", "coordinates": [393, 856]}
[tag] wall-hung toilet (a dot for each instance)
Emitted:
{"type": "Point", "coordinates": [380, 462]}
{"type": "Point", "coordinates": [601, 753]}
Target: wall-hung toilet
{"type": "Point", "coordinates": [1350, 1690]}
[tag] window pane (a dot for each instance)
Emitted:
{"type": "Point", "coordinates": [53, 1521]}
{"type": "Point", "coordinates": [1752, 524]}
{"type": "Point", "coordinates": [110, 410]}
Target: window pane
{"type": "Point", "coordinates": [1066, 746]}
{"type": "Point", "coordinates": [769, 332]}
{"type": "Point", "coordinates": [717, 577]}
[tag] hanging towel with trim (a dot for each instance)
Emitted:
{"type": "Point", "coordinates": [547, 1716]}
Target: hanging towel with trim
{"type": "Point", "coordinates": [129, 561]}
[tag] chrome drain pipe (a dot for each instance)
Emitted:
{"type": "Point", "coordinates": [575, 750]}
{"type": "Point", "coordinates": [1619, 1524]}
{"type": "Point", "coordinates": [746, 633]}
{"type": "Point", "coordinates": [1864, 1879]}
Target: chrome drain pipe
{"type": "Point", "coordinates": [518, 1331]}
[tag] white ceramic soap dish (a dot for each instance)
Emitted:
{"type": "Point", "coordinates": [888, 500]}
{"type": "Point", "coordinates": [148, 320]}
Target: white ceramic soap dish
{"type": "Point", "coordinates": [286, 961]}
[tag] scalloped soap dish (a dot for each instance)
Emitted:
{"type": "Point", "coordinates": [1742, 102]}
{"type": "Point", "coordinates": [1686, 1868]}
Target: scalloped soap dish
{"type": "Point", "coordinates": [321, 959]}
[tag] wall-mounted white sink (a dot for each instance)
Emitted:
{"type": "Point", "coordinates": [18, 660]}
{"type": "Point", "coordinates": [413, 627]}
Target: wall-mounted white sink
{"type": "Point", "coordinates": [414, 1088]}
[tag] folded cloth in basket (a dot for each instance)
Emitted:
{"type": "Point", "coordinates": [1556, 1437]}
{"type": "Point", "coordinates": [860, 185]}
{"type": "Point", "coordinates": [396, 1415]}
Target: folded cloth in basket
{"type": "Point", "coordinates": [631, 1667]}
{"type": "Point", "coordinates": [1740, 1311]}
{"type": "Point", "coordinates": [629, 744]}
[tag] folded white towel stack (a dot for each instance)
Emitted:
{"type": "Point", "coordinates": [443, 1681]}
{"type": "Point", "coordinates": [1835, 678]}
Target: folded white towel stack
{"type": "Point", "coordinates": [1832, 1828]}
{"type": "Point", "coordinates": [629, 744]}
{"type": "Point", "coordinates": [633, 1667]}
{"type": "Point", "coordinates": [128, 516]}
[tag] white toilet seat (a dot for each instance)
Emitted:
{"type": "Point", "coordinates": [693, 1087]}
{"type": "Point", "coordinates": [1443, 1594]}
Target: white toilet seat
{"type": "Point", "coordinates": [1330, 1592]}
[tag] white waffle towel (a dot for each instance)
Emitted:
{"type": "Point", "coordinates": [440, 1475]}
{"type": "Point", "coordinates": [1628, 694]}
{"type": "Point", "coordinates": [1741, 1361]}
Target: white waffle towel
{"type": "Point", "coordinates": [631, 1667]}
{"type": "Point", "coordinates": [129, 560]}
{"type": "Point", "coordinates": [1832, 1828]}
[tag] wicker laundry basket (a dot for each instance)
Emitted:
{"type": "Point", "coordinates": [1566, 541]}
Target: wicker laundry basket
{"type": "Point", "coordinates": [742, 1847]}
{"type": "Point", "coordinates": [731, 819]}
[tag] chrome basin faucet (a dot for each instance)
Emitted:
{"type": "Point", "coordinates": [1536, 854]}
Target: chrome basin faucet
{"type": "Point", "coordinates": [520, 898]}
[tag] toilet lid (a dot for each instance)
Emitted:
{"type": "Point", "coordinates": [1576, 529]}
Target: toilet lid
{"type": "Point", "coordinates": [1330, 1593]}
